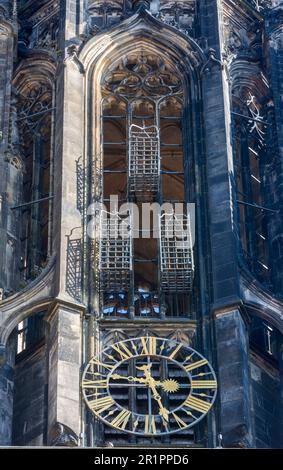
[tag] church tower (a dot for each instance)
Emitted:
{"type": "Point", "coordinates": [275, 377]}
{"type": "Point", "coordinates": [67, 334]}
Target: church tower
{"type": "Point", "coordinates": [141, 229]}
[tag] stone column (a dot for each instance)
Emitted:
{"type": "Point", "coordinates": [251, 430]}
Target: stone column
{"type": "Point", "coordinates": [64, 361]}
{"type": "Point", "coordinates": [221, 232]}
{"type": "Point", "coordinates": [219, 164]}
{"type": "Point", "coordinates": [6, 399]}
{"type": "Point", "coordinates": [68, 148]}
{"type": "Point", "coordinates": [7, 246]}
{"type": "Point", "coordinates": [232, 346]}
{"type": "Point", "coordinates": [64, 338]}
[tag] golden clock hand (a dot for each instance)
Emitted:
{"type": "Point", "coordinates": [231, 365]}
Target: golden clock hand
{"type": "Point", "coordinates": [168, 385]}
{"type": "Point", "coordinates": [162, 410]}
{"type": "Point", "coordinates": [151, 382]}
{"type": "Point", "coordinates": [130, 379]}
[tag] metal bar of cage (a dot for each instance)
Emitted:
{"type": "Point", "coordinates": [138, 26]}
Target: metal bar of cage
{"type": "Point", "coordinates": [115, 251]}
{"type": "Point", "coordinates": [176, 253]}
{"type": "Point", "coordinates": [144, 160]}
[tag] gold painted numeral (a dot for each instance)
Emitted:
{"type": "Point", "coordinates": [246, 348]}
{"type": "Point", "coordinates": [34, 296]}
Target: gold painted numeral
{"type": "Point", "coordinates": [197, 404]}
{"type": "Point", "coordinates": [144, 346]}
{"type": "Point", "coordinates": [149, 345]}
{"type": "Point", "coordinates": [204, 384]}
{"type": "Point", "coordinates": [180, 422]}
{"type": "Point", "coordinates": [125, 354]}
{"type": "Point", "coordinates": [149, 425]}
{"type": "Point", "coordinates": [96, 362]}
{"type": "Point", "coordinates": [195, 365]}
{"type": "Point", "coordinates": [174, 353]}
{"type": "Point", "coordinates": [121, 419]}
{"type": "Point", "coordinates": [94, 383]}
{"type": "Point", "coordinates": [101, 404]}
{"type": "Point", "coordinates": [152, 345]}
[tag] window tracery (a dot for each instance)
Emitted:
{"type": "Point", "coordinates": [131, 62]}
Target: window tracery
{"type": "Point", "coordinates": [250, 136]}
{"type": "Point", "coordinates": [34, 122]}
{"type": "Point", "coordinates": [143, 158]}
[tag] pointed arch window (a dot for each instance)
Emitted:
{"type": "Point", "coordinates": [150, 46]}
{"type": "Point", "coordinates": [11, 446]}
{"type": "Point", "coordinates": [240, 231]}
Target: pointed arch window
{"type": "Point", "coordinates": [35, 107]}
{"type": "Point", "coordinates": [143, 161]}
{"type": "Point", "coordinates": [251, 158]}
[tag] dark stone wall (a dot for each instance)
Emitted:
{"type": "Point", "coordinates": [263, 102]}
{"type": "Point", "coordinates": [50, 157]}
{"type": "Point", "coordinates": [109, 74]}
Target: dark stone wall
{"type": "Point", "coordinates": [6, 403]}
{"type": "Point", "coordinates": [265, 383]}
{"type": "Point", "coordinates": [234, 380]}
{"type": "Point", "coordinates": [6, 66]}
{"type": "Point", "coordinates": [29, 398]}
{"type": "Point", "coordinates": [7, 357]}
{"type": "Point", "coordinates": [221, 230]}
{"type": "Point", "coordinates": [274, 32]}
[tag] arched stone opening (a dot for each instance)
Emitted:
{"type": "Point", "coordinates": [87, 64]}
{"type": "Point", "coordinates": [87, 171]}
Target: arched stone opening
{"type": "Point", "coordinates": [24, 383]}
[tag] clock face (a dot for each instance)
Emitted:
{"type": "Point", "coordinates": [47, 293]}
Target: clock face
{"type": "Point", "coordinates": [149, 386]}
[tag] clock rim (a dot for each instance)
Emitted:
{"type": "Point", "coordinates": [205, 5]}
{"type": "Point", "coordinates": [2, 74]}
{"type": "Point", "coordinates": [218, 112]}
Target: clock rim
{"type": "Point", "coordinates": [157, 434]}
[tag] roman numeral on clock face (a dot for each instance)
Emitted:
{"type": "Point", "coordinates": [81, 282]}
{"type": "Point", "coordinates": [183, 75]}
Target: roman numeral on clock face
{"type": "Point", "coordinates": [175, 352]}
{"type": "Point", "coordinates": [96, 362]}
{"type": "Point", "coordinates": [197, 404]}
{"type": "Point", "coordinates": [148, 345]}
{"type": "Point", "coordinates": [149, 425]}
{"type": "Point", "coordinates": [195, 365]}
{"type": "Point", "coordinates": [101, 404]}
{"type": "Point", "coordinates": [94, 383]}
{"type": "Point", "coordinates": [179, 421]}
{"type": "Point", "coordinates": [123, 351]}
{"type": "Point", "coordinates": [204, 384]}
{"type": "Point", "coordinates": [121, 419]}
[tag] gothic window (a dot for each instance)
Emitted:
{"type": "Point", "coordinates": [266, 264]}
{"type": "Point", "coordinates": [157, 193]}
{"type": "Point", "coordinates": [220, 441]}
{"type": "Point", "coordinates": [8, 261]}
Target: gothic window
{"type": "Point", "coordinates": [34, 119]}
{"type": "Point", "coordinates": [143, 163]}
{"type": "Point", "coordinates": [250, 152]}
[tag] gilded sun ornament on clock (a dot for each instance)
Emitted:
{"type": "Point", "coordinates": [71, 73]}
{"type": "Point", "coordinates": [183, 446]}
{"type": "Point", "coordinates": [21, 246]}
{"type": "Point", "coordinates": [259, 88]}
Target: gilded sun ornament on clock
{"type": "Point", "coordinates": [149, 386]}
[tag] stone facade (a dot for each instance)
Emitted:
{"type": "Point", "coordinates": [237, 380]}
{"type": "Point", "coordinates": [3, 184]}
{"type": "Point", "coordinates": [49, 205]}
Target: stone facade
{"type": "Point", "coordinates": [55, 61]}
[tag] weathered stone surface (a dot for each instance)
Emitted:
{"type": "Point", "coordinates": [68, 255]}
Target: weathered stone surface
{"type": "Point", "coordinates": [64, 356]}
{"type": "Point", "coordinates": [68, 47]}
{"type": "Point", "coordinates": [234, 381]}
{"type": "Point", "coordinates": [6, 404]}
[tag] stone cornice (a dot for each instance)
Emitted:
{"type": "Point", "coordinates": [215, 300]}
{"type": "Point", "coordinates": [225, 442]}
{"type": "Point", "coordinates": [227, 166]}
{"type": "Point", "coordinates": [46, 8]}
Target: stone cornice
{"type": "Point", "coordinates": [58, 303]}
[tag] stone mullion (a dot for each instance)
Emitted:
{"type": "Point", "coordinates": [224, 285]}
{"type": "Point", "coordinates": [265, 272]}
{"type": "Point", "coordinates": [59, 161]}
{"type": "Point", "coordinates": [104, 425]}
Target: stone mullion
{"type": "Point", "coordinates": [64, 361]}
